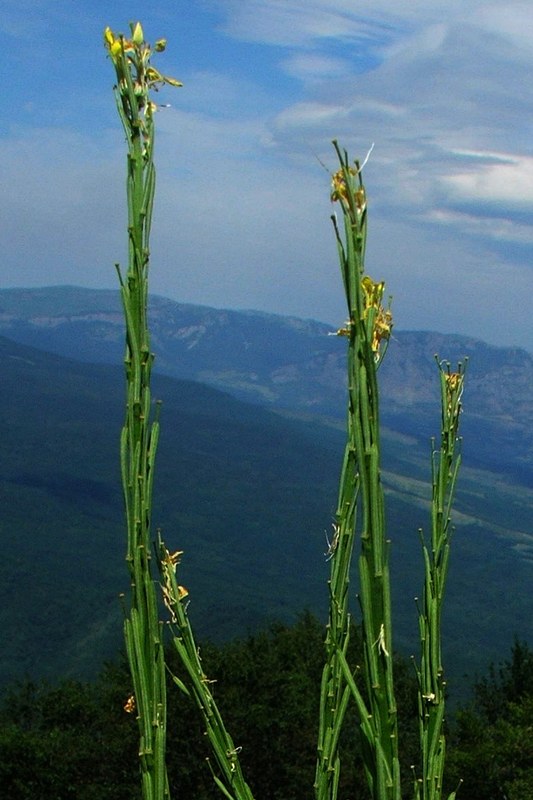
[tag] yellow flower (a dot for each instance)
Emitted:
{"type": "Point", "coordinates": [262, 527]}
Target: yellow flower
{"type": "Point", "coordinates": [339, 189]}
{"type": "Point", "coordinates": [382, 320]}
{"type": "Point", "coordinates": [138, 54]}
{"type": "Point", "coordinates": [382, 329]}
{"type": "Point", "coordinates": [373, 292]}
{"type": "Point", "coordinates": [172, 559]}
{"type": "Point", "coordinates": [117, 44]}
{"type": "Point", "coordinates": [129, 706]}
{"type": "Point", "coordinates": [454, 391]}
{"type": "Point", "coordinates": [109, 37]}
{"type": "Point", "coordinates": [453, 379]}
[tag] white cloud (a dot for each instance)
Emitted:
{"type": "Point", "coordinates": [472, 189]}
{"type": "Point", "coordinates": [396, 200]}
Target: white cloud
{"type": "Point", "coordinates": [377, 22]}
{"type": "Point", "coordinates": [217, 94]}
{"type": "Point", "coordinates": [509, 182]}
{"type": "Point", "coordinates": [511, 21]}
{"type": "Point", "coordinates": [314, 66]}
{"type": "Point", "coordinates": [453, 162]}
{"type": "Point", "coordinates": [231, 224]}
{"type": "Point", "coordinates": [310, 114]}
{"type": "Point", "coordinates": [446, 126]}
{"type": "Point", "coordinates": [288, 23]}
{"type": "Point", "coordinates": [496, 228]}
{"type": "Point", "coordinates": [438, 281]}
{"type": "Point", "coordinates": [242, 208]}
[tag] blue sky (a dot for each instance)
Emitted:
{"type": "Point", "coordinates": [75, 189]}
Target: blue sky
{"type": "Point", "coordinates": [442, 88]}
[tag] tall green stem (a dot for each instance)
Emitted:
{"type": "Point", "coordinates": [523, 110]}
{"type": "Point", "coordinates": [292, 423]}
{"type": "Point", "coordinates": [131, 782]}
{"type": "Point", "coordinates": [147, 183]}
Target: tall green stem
{"type": "Point", "coordinates": [360, 505]}
{"type": "Point", "coordinates": [138, 442]}
{"type": "Point", "coordinates": [445, 464]}
{"type": "Point", "coordinates": [230, 779]}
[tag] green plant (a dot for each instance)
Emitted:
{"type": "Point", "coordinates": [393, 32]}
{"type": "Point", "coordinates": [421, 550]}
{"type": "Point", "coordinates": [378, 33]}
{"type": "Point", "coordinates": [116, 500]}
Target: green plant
{"type": "Point", "coordinates": [445, 463]}
{"type": "Point", "coordinates": [136, 77]}
{"type": "Point", "coordinates": [361, 509]}
{"type": "Point", "coordinates": [491, 745]}
{"type": "Point", "coordinates": [230, 779]}
{"type": "Point", "coordinates": [360, 502]}
{"type": "Point", "coordinates": [143, 632]}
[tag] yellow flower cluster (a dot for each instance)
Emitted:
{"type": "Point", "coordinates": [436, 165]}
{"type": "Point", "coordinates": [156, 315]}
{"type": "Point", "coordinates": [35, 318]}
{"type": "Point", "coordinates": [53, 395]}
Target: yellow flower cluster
{"type": "Point", "coordinates": [454, 391]}
{"type": "Point", "coordinates": [136, 53]}
{"type": "Point", "coordinates": [341, 192]}
{"type": "Point", "coordinates": [453, 380]}
{"type": "Point", "coordinates": [130, 705]}
{"type": "Point", "coordinates": [169, 562]}
{"type": "Point", "coordinates": [382, 318]}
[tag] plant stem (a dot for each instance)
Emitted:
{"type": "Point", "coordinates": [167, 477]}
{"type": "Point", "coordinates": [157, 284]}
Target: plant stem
{"type": "Point", "coordinates": [360, 505]}
{"type": "Point", "coordinates": [138, 442]}
{"type": "Point", "coordinates": [445, 464]}
{"type": "Point", "coordinates": [230, 780]}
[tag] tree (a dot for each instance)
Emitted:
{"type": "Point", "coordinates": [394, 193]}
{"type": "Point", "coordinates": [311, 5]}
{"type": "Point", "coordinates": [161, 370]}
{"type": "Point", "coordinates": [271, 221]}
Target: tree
{"type": "Point", "coordinates": [492, 743]}
{"type": "Point", "coordinates": [76, 740]}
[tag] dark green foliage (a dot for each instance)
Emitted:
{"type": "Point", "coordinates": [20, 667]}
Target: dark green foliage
{"type": "Point", "coordinates": [67, 741]}
{"type": "Point", "coordinates": [492, 744]}
{"type": "Point", "coordinates": [267, 690]}
{"type": "Point", "coordinates": [506, 685]}
{"type": "Point", "coordinates": [74, 740]}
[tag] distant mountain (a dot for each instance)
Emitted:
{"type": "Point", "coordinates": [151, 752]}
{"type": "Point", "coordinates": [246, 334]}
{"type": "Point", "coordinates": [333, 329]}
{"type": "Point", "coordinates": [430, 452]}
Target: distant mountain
{"type": "Point", "coordinates": [293, 364]}
{"type": "Point", "coordinates": [247, 493]}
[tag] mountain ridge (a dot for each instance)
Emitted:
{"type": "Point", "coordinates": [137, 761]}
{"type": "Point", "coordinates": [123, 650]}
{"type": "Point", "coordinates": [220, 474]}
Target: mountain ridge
{"type": "Point", "coordinates": [247, 493]}
{"type": "Point", "coordinates": [293, 365]}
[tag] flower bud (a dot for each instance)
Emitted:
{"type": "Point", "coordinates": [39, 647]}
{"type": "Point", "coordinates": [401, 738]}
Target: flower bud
{"type": "Point", "coordinates": [137, 33]}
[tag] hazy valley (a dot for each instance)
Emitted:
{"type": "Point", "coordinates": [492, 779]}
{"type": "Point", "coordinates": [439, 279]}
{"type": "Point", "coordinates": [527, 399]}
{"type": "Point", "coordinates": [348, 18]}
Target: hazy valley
{"type": "Point", "coordinates": [247, 476]}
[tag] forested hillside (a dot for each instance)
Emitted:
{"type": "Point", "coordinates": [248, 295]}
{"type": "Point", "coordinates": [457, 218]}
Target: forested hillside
{"type": "Point", "coordinates": [248, 495]}
{"type": "Point", "coordinates": [75, 740]}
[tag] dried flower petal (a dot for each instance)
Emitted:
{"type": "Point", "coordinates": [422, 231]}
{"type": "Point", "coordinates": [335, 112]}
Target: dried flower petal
{"type": "Point", "coordinates": [129, 706]}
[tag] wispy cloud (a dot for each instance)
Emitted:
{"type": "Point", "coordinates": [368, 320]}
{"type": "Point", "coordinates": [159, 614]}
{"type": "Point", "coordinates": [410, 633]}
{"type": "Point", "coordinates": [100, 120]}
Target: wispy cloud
{"type": "Point", "coordinates": [445, 105]}
{"type": "Point", "coordinates": [316, 67]}
{"type": "Point", "coordinates": [286, 23]}
{"type": "Point", "coordinates": [242, 211]}
{"type": "Point", "coordinates": [507, 182]}
{"type": "Point", "coordinates": [438, 106]}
